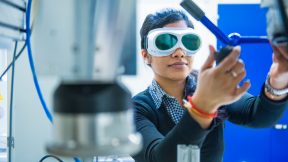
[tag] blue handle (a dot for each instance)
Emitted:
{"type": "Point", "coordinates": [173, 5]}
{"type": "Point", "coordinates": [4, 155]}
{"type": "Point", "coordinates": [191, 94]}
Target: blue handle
{"type": "Point", "coordinates": [232, 39]}
{"type": "Point", "coordinates": [215, 30]}
{"type": "Point", "coordinates": [254, 39]}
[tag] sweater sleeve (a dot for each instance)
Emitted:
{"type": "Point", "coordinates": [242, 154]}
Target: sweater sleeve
{"type": "Point", "coordinates": [156, 147]}
{"type": "Point", "coordinates": [257, 112]}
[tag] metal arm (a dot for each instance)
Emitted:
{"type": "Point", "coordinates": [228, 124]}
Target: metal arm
{"type": "Point", "coordinates": [232, 39]}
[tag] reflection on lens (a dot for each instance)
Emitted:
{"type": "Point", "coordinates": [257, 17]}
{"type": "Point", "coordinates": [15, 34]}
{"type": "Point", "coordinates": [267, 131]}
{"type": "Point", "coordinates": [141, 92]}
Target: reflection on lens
{"type": "Point", "coordinates": [191, 42]}
{"type": "Point", "coordinates": [165, 41]}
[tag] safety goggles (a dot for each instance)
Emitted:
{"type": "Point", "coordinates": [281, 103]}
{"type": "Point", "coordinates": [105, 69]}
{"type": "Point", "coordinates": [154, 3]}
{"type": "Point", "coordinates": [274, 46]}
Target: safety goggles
{"type": "Point", "coordinates": [164, 41]}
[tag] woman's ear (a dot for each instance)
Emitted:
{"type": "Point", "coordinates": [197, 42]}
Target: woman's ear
{"type": "Point", "coordinates": [146, 57]}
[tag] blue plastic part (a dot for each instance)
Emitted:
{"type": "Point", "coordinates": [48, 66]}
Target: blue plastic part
{"type": "Point", "coordinates": [235, 39]}
{"type": "Point", "coordinates": [76, 159]}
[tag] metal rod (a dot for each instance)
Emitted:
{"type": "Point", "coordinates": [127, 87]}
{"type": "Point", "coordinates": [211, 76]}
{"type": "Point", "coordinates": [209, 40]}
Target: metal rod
{"type": "Point", "coordinates": [215, 30]}
{"type": "Point", "coordinates": [7, 2]}
{"type": "Point", "coordinates": [5, 25]}
{"type": "Point", "coordinates": [199, 15]}
{"type": "Point", "coordinates": [253, 39]}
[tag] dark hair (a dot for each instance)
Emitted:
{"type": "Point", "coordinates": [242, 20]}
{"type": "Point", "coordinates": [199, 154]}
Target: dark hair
{"type": "Point", "coordinates": [160, 19]}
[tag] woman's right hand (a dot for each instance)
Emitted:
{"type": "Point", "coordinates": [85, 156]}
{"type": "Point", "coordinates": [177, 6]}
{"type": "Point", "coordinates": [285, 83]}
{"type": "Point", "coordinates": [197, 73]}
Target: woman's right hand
{"type": "Point", "coordinates": [219, 85]}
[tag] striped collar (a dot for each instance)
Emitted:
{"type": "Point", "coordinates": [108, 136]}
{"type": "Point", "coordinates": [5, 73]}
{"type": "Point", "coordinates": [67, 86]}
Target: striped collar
{"type": "Point", "coordinates": [158, 93]}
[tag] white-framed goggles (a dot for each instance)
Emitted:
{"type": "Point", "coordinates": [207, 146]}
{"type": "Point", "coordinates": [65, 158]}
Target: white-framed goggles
{"type": "Point", "coordinates": [164, 41]}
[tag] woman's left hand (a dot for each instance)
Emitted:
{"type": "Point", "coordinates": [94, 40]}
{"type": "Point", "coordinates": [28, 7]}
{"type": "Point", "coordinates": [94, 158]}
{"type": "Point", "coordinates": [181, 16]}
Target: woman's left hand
{"type": "Point", "coordinates": [279, 68]}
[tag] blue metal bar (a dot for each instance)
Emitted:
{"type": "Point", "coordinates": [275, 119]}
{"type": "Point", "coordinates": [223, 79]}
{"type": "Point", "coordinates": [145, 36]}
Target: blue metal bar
{"type": "Point", "coordinates": [215, 30]}
{"type": "Point", "coordinates": [233, 39]}
{"type": "Point", "coordinates": [253, 39]}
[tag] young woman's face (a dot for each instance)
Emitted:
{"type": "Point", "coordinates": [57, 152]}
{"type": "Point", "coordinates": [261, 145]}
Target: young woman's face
{"type": "Point", "coordinates": [175, 67]}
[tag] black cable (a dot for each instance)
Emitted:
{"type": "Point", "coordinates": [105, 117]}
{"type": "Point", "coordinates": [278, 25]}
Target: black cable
{"type": "Point", "coordinates": [9, 26]}
{"type": "Point", "coordinates": [10, 135]}
{"type": "Point", "coordinates": [9, 66]}
{"type": "Point", "coordinates": [7, 2]}
{"type": "Point", "coordinates": [53, 156]}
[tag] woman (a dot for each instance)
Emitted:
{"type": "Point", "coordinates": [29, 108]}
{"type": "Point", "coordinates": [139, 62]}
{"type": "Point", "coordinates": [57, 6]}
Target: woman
{"type": "Point", "coordinates": [168, 44]}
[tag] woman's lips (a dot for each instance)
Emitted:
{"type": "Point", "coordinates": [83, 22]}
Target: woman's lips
{"type": "Point", "coordinates": [178, 65]}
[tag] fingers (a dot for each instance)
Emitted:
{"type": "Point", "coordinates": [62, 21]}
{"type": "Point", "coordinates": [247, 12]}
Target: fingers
{"type": "Point", "coordinates": [280, 52]}
{"type": "Point", "coordinates": [283, 49]}
{"type": "Point", "coordinates": [233, 67]}
{"type": "Point", "coordinates": [235, 76]}
{"type": "Point", "coordinates": [280, 60]}
{"type": "Point", "coordinates": [238, 71]}
{"type": "Point", "coordinates": [284, 52]}
{"type": "Point", "coordinates": [236, 80]}
{"type": "Point", "coordinates": [276, 54]}
{"type": "Point", "coordinates": [239, 67]}
{"type": "Point", "coordinates": [210, 60]}
{"type": "Point", "coordinates": [243, 89]}
{"type": "Point", "coordinates": [229, 62]}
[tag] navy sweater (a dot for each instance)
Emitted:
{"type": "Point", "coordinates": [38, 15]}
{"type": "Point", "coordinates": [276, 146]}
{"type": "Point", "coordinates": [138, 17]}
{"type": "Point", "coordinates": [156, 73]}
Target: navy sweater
{"type": "Point", "coordinates": [161, 135]}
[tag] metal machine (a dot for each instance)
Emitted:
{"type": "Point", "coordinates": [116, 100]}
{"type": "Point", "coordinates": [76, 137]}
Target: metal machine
{"type": "Point", "coordinates": [83, 43]}
{"type": "Point", "coordinates": [80, 42]}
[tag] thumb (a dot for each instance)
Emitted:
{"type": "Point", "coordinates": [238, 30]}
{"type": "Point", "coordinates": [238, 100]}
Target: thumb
{"type": "Point", "coordinates": [210, 60]}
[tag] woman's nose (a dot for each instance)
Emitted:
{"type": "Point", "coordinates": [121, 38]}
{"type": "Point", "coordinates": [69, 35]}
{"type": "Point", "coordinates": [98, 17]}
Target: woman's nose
{"type": "Point", "coordinates": [178, 53]}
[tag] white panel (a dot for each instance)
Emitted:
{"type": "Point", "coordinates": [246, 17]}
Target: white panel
{"type": "Point", "coordinates": [53, 37]}
{"type": "Point", "coordinates": [3, 106]}
{"type": "Point", "coordinates": [3, 62]}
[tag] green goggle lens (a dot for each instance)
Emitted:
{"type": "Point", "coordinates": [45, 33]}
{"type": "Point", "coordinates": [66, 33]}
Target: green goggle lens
{"type": "Point", "coordinates": [191, 42]}
{"type": "Point", "coordinates": [165, 41]}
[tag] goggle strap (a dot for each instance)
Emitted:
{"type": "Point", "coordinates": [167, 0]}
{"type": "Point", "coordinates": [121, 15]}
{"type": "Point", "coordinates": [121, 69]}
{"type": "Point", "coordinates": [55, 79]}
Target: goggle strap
{"type": "Point", "coordinates": [145, 42]}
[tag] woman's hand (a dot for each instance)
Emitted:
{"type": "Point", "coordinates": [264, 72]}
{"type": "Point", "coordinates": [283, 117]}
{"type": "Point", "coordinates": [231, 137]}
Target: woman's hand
{"type": "Point", "coordinates": [279, 70]}
{"type": "Point", "coordinates": [219, 85]}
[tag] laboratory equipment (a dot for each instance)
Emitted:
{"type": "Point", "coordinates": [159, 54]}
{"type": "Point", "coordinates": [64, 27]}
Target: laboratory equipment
{"type": "Point", "coordinates": [92, 109]}
{"type": "Point", "coordinates": [188, 153]}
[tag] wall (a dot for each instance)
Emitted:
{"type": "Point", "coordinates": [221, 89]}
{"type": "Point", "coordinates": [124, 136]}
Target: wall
{"type": "Point", "coordinates": [3, 106]}
{"type": "Point", "coordinates": [246, 144]}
